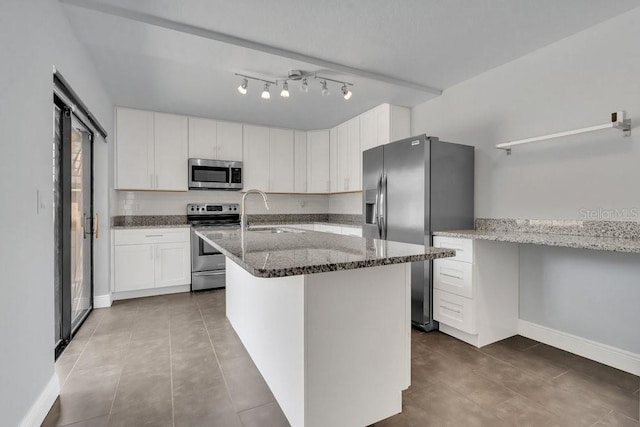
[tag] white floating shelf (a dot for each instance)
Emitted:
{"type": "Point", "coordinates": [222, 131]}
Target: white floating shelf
{"type": "Point", "coordinates": [618, 121]}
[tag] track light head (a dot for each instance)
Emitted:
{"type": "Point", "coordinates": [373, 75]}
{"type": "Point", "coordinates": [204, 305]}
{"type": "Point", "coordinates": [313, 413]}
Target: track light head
{"type": "Point", "coordinates": [304, 87]}
{"type": "Point", "coordinates": [325, 89]}
{"type": "Point", "coordinates": [265, 92]}
{"type": "Point", "coordinates": [346, 93]}
{"type": "Point", "coordinates": [243, 86]}
{"type": "Point", "coordinates": [285, 90]}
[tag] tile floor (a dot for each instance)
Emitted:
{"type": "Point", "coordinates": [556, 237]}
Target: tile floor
{"type": "Point", "coordinates": [175, 361]}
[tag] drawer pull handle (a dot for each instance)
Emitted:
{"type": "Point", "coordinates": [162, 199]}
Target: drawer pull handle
{"type": "Point", "coordinates": [451, 275]}
{"type": "Point", "coordinates": [451, 309]}
{"type": "Point", "coordinates": [154, 235]}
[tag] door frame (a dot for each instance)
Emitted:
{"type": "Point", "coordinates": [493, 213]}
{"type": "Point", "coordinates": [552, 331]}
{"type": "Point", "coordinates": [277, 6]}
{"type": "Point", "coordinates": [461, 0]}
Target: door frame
{"type": "Point", "coordinates": [67, 114]}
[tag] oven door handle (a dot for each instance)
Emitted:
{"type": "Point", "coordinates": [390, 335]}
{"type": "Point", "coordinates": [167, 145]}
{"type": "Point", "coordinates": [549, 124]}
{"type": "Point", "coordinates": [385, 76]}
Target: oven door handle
{"type": "Point", "coordinates": [209, 273]}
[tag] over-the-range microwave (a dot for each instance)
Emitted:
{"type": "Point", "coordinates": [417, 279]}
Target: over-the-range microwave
{"type": "Point", "coordinates": [205, 174]}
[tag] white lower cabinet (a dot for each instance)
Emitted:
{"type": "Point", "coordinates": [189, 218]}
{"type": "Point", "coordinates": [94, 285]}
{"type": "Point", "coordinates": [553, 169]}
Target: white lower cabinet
{"type": "Point", "coordinates": [151, 258]}
{"type": "Point", "coordinates": [171, 259]}
{"type": "Point", "coordinates": [475, 295]}
{"type": "Point", "coordinates": [134, 267]}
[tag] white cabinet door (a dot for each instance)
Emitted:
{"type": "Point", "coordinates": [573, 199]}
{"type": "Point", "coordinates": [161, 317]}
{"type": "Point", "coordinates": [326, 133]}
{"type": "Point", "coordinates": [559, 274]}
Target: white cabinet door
{"type": "Point", "coordinates": [171, 152]}
{"type": "Point", "coordinates": [134, 150]}
{"type": "Point", "coordinates": [318, 180]}
{"type": "Point", "coordinates": [203, 138]}
{"type": "Point", "coordinates": [342, 157]}
{"type": "Point", "coordinates": [333, 160]}
{"type": "Point", "coordinates": [256, 157]}
{"type": "Point", "coordinates": [352, 231]}
{"type": "Point", "coordinates": [281, 160]}
{"type": "Point", "coordinates": [300, 162]}
{"type": "Point", "coordinates": [354, 156]}
{"type": "Point", "coordinates": [383, 113]}
{"type": "Point", "coordinates": [369, 129]}
{"type": "Point", "coordinates": [134, 267]}
{"type": "Point", "coordinates": [229, 141]}
{"type": "Point", "coordinates": [172, 264]}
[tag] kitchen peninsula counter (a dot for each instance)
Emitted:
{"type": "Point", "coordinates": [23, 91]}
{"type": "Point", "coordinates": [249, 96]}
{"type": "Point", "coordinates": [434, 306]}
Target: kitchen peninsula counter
{"type": "Point", "coordinates": [326, 318]}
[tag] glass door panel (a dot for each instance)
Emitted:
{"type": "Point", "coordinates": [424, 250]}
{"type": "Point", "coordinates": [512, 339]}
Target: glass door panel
{"type": "Point", "coordinates": [81, 222]}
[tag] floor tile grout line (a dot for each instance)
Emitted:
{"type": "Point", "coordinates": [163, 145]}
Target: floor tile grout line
{"type": "Point", "coordinates": [81, 352]}
{"type": "Point", "coordinates": [215, 354]}
{"type": "Point", "coordinates": [115, 393]}
{"type": "Point", "coordinates": [601, 419]}
{"type": "Point", "coordinates": [173, 408]}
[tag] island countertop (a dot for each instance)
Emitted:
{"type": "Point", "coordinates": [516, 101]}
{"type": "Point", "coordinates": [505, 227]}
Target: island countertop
{"type": "Point", "coordinates": [292, 252]}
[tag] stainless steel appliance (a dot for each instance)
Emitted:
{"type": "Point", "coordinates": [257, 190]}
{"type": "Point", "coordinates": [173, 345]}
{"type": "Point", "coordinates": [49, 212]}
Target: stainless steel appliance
{"type": "Point", "coordinates": [412, 188]}
{"type": "Point", "coordinates": [207, 263]}
{"type": "Point", "coordinates": [205, 174]}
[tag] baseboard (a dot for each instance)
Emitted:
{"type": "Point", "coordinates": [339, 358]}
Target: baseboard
{"type": "Point", "coordinates": [151, 292]}
{"type": "Point", "coordinates": [608, 355]}
{"type": "Point", "coordinates": [43, 404]}
{"type": "Point", "coordinates": [102, 301]}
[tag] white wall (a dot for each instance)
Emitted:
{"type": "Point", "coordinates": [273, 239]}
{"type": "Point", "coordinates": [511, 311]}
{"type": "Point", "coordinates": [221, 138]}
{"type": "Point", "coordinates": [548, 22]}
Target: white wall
{"type": "Point", "coordinates": [175, 203]}
{"type": "Point", "coordinates": [573, 83]}
{"type": "Point", "coordinates": [347, 203]}
{"type": "Point", "coordinates": [34, 36]}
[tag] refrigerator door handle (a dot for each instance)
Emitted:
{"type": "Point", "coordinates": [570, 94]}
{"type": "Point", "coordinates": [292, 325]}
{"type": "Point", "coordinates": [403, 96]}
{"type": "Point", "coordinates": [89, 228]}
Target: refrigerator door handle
{"type": "Point", "coordinates": [383, 208]}
{"type": "Point", "coordinates": [378, 209]}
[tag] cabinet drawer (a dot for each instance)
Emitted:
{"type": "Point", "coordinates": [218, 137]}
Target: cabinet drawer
{"type": "Point", "coordinates": [453, 276]}
{"type": "Point", "coordinates": [454, 310]}
{"type": "Point", "coordinates": [150, 235]}
{"type": "Point", "coordinates": [352, 231]}
{"type": "Point", "coordinates": [463, 247]}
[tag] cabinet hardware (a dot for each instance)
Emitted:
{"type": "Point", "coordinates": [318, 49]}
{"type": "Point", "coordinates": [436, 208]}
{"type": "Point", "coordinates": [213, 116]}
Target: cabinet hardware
{"type": "Point", "coordinates": [451, 275]}
{"type": "Point", "coordinates": [153, 235]}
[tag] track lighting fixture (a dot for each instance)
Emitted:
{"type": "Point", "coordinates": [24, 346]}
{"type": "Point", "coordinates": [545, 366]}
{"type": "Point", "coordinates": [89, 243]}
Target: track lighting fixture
{"type": "Point", "coordinates": [294, 75]}
{"type": "Point", "coordinates": [325, 89]}
{"type": "Point", "coordinates": [285, 90]}
{"type": "Point", "coordinates": [243, 86]}
{"type": "Point", "coordinates": [265, 92]}
{"type": "Point", "coordinates": [346, 93]}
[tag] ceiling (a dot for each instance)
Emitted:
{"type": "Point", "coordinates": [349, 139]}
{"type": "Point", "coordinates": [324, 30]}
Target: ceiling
{"type": "Point", "coordinates": [181, 56]}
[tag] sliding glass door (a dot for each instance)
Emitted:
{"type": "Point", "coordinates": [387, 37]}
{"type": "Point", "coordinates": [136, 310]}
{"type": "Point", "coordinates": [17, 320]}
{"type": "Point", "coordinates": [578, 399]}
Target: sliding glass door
{"type": "Point", "coordinates": [73, 218]}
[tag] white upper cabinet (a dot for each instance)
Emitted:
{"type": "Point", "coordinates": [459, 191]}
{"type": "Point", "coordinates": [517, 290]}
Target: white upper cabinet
{"type": "Point", "coordinates": [256, 157]}
{"type": "Point", "coordinates": [383, 124]}
{"type": "Point", "coordinates": [203, 138]}
{"type": "Point", "coordinates": [134, 149]}
{"type": "Point", "coordinates": [300, 161]}
{"type": "Point", "coordinates": [281, 161]}
{"type": "Point", "coordinates": [151, 151]}
{"type": "Point", "coordinates": [214, 139]}
{"type": "Point", "coordinates": [170, 153]}
{"type": "Point", "coordinates": [348, 156]}
{"type": "Point", "coordinates": [318, 176]}
{"type": "Point", "coordinates": [354, 156]}
{"type": "Point", "coordinates": [333, 160]}
{"type": "Point", "coordinates": [229, 141]}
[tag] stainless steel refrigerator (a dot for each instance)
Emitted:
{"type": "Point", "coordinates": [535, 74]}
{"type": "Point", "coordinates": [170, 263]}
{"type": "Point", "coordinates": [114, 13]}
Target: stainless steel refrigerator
{"type": "Point", "coordinates": [412, 188]}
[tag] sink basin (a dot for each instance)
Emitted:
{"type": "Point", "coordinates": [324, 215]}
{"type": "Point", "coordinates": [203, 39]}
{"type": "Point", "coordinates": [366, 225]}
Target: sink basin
{"type": "Point", "coordinates": [275, 230]}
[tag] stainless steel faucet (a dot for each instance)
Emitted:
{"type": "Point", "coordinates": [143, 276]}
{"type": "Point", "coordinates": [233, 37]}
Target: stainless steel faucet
{"type": "Point", "coordinates": [243, 216]}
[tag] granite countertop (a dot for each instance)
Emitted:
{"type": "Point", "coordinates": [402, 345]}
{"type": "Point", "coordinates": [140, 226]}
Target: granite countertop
{"type": "Point", "coordinates": [268, 254]}
{"type": "Point", "coordinates": [600, 243]}
{"type": "Point", "coordinates": [137, 227]}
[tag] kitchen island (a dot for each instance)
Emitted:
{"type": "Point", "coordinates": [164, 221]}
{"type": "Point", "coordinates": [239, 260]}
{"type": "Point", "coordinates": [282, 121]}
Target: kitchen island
{"type": "Point", "coordinates": [325, 318]}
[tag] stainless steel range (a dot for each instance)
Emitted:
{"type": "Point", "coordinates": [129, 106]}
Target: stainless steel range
{"type": "Point", "coordinates": [207, 263]}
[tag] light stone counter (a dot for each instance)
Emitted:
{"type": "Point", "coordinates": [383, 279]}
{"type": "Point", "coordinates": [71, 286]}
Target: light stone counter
{"type": "Point", "coordinates": [268, 253]}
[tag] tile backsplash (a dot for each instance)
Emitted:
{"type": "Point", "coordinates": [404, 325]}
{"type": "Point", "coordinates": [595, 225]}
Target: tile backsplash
{"type": "Point", "coordinates": [170, 203]}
